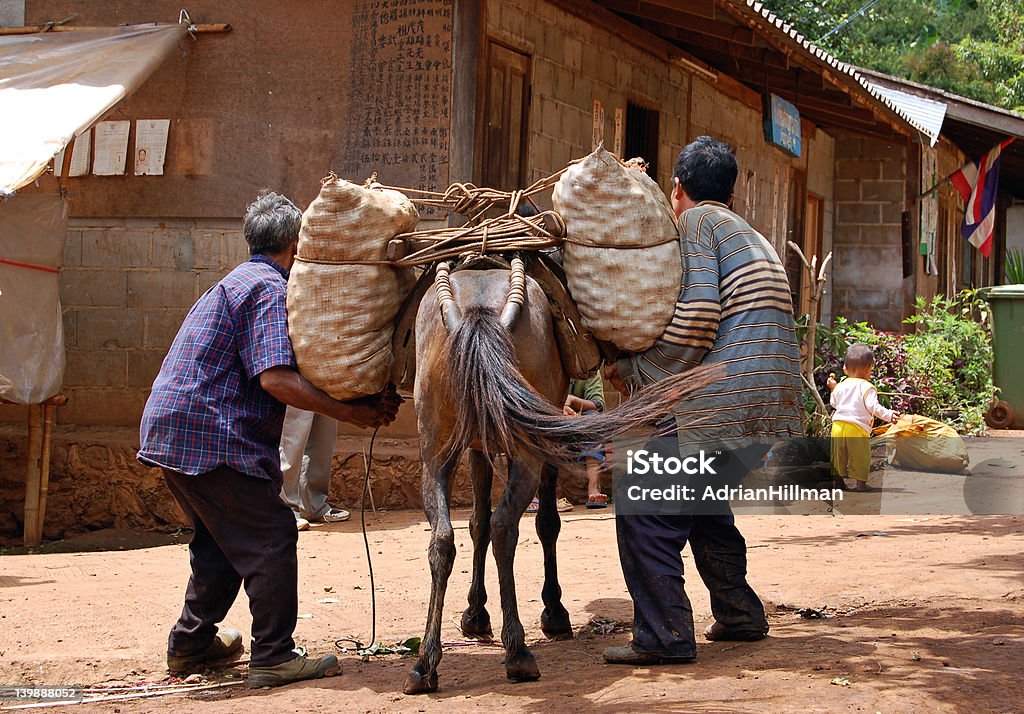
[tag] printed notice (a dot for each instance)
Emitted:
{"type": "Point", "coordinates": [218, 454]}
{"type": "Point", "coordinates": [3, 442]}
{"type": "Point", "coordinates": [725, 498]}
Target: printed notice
{"type": "Point", "coordinates": [150, 146]}
{"type": "Point", "coordinates": [619, 122]}
{"type": "Point", "coordinates": [80, 154]}
{"type": "Point", "coordinates": [111, 150]}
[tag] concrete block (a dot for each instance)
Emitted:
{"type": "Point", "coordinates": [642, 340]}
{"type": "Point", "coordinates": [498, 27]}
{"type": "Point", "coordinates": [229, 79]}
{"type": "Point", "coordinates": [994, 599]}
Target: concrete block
{"type": "Point", "coordinates": [94, 368]}
{"type": "Point", "coordinates": [563, 85]}
{"type": "Point", "coordinates": [854, 213]}
{"type": "Point", "coordinates": [869, 169]}
{"type": "Point", "coordinates": [218, 250]}
{"type": "Point", "coordinates": [850, 147]}
{"type": "Point", "coordinates": [204, 280]}
{"type": "Point", "coordinates": [848, 190]}
{"type": "Point", "coordinates": [551, 119]}
{"type": "Point", "coordinates": [143, 367]}
{"type": "Point", "coordinates": [892, 169]}
{"type": "Point", "coordinates": [103, 407]}
{"type": "Point", "coordinates": [890, 191]}
{"type": "Point", "coordinates": [70, 328]}
{"type": "Point", "coordinates": [543, 76]}
{"type": "Point", "coordinates": [161, 327]}
{"type": "Point", "coordinates": [173, 249]}
{"type": "Point", "coordinates": [73, 249]}
{"type": "Point", "coordinates": [880, 235]}
{"type": "Point", "coordinates": [892, 213]}
{"type": "Point", "coordinates": [93, 288]}
{"type": "Point", "coordinates": [159, 289]}
{"type": "Point", "coordinates": [623, 73]}
{"type": "Point", "coordinates": [109, 329]}
{"type": "Point", "coordinates": [115, 248]}
{"type": "Point", "coordinates": [573, 55]}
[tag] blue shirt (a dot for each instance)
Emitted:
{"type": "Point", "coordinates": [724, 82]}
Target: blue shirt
{"type": "Point", "coordinates": [207, 408]}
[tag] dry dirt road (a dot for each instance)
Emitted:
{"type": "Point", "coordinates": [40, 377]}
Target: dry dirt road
{"type": "Point", "coordinates": [924, 614]}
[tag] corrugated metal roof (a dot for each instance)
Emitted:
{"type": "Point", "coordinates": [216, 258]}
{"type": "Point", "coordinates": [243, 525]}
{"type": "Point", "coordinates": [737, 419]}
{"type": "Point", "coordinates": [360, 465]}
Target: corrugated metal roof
{"type": "Point", "coordinates": [909, 108]}
{"type": "Point", "coordinates": [927, 114]}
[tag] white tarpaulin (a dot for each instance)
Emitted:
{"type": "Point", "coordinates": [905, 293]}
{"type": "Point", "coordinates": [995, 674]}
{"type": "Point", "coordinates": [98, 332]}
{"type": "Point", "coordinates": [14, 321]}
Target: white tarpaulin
{"type": "Point", "coordinates": [55, 85]}
{"type": "Point", "coordinates": [32, 231]}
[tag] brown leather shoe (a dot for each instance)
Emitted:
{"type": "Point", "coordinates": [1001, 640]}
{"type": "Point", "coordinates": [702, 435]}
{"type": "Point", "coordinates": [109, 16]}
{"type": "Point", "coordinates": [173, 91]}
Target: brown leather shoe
{"type": "Point", "coordinates": [718, 632]}
{"type": "Point", "coordinates": [628, 655]}
{"type": "Point", "coordinates": [225, 648]}
{"type": "Point", "coordinates": [298, 669]}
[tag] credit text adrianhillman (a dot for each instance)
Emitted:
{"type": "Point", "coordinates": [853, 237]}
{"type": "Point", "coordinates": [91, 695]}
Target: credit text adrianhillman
{"type": "Point", "coordinates": [643, 462]}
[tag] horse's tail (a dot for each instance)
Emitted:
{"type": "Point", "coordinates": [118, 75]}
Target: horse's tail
{"type": "Point", "coordinates": [494, 403]}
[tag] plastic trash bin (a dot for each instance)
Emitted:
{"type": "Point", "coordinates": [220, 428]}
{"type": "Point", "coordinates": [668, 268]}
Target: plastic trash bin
{"type": "Point", "coordinates": [1007, 303]}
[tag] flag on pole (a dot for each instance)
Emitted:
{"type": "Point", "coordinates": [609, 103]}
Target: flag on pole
{"type": "Point", "coordinates": [977, 182]}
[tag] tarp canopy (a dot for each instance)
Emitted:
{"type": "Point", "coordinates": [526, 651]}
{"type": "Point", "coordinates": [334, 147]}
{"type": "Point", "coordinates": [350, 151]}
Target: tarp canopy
{"type": "Point", "coordinates": [54, 86]}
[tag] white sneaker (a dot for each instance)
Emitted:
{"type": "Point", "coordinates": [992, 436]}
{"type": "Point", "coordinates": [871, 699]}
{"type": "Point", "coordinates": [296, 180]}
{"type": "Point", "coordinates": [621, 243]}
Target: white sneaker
{"type": "Point", "coordinates": [301, 523]}
{"type": "Point", "coordinates": [336, 515]}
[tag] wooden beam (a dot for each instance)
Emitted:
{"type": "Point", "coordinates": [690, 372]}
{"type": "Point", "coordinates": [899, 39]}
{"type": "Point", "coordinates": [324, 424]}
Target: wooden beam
{"type": "Point", "coordinates": [33, 474]}
{"type": "Point", "coordinates": [669, 23]}
{"type": "Point", "coordinates": [203, 27]}
{"type": "Point", "coordinates": [700, 8]}
{"type": "Point", "coordinates": [467, 40]}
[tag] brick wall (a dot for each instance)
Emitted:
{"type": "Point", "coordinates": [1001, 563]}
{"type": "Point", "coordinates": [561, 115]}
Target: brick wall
{"type": "Point", "coordinates": [867, 268]}
{"type": "Point", "coordinates": [573, 65]}
{"type": "Point", "coordinates": [125, 288]}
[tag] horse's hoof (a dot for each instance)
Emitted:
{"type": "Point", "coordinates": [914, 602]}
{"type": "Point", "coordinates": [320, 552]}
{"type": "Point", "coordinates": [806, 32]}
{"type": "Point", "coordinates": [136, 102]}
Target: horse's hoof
{"type": "Point", "coordinates": [418, 683]}
{"type": "Point", "coordinates": [477, 626]}
{"type": "Point", "coordinates": [556, 625]}
{"type": "Point", "coordinates": [522, 669]}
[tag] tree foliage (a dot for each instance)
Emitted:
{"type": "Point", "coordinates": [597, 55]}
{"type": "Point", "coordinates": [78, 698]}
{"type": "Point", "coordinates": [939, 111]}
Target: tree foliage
{"type": "Point", "coordinates": [970, 47]}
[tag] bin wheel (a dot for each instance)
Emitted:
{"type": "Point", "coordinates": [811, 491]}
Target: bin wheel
{"type": "Point", "coordinates": [1000, 416]}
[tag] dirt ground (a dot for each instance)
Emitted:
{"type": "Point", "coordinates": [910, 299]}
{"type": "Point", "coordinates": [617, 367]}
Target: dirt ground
{"type": "Point", "coordinates": [922, 613]}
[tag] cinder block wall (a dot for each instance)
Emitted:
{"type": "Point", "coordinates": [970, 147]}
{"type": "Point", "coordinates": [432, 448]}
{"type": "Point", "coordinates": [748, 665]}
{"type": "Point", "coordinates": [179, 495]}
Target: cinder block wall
{"type": "Point", "coordinates": [867, 274]}
{"type": "Point", "coordinates": [125, 287]}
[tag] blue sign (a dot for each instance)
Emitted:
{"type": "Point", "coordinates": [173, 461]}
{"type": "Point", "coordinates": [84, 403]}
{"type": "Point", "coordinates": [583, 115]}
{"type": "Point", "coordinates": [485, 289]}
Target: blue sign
{"type": "Point", "coordinates": [782, 125]}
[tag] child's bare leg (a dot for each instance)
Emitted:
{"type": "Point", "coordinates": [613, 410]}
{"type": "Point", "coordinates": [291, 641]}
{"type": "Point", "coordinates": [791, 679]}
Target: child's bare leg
{"type": "Point", "coordinates": [593, 476]}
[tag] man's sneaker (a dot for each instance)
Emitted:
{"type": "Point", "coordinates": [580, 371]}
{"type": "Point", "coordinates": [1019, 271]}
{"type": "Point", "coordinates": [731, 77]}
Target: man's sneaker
{"type": "Point", "coordinates": [336, 515]}
{"type": "Point", "coordinates": [225, 648]}
{"type": "Point", "coordinates": [294, 670]}
{"type": "Point", "coordinates": [301, 523]}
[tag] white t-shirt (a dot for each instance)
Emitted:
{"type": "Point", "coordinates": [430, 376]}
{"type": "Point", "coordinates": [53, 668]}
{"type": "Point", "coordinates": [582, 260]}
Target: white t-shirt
{"type": "Point", "coordinates": [856, 402]}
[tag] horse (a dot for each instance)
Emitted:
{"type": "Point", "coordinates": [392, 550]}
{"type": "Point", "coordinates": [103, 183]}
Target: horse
{"type": "Point", "coordinates": [488, 379]}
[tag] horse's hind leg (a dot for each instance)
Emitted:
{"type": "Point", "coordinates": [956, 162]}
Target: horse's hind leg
{"type": "Point", "coordinates": [441, 554]}
{"type": "Point", "coordinates": [554, 620]}
{"type": "Point", "coordinates": [476, 622]}
{"type": "Point", "coordinates": [522, 483]}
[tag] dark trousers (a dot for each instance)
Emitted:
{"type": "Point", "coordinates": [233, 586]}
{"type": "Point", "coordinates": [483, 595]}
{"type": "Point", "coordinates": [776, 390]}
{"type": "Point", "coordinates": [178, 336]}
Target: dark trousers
{"type": "Point", "coordinates": [650, 549]}
{"type": "Point", "coordinates": [244, 533]}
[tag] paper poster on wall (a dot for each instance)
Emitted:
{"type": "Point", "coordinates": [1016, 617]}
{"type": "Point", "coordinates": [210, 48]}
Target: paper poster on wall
{"type": "Point", "coordinates": [111, 150]}
{"type": "Point", "coordinates": [150, 146]}
{"type": "Point", "coordinates": [619, 122]}
{"type": "Point", "coordinates": [598, 133]}
{"type": "Point", "coordinates": [80, 154]}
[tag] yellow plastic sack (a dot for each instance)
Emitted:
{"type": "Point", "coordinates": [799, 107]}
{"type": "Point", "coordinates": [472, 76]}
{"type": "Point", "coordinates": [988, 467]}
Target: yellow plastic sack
{"type": "Point", "coordinates": [926, 444]}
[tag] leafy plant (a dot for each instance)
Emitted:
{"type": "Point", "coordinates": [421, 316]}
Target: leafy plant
{"type": "Point", "coordinates": [1014, 267]}
{"type": "Point", "coordinates": [941, 370]}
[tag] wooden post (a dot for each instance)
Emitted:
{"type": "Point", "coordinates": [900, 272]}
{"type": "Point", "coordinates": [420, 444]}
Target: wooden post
{"type": "Point", "coordinates": [49, 411]}
{"type": "Point", "coordinates": [33, 472]}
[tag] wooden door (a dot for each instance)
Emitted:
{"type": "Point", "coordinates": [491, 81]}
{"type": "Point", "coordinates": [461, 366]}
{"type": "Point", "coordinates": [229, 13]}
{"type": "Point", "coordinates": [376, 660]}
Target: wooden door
{"type": "Point", "coordinates": [506, 106]}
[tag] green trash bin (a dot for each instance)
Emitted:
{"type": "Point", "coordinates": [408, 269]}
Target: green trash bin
{"type": "Point", "coordinates": [1007, 303]}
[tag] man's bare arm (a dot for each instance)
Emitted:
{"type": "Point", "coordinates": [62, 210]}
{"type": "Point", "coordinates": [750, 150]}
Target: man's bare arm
{"type": "Point", "coordinates": [288, 386]}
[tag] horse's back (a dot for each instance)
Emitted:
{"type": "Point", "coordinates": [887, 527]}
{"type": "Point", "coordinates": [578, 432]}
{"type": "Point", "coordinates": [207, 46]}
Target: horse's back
{"type": "Point", "coordinates": [533, 333]}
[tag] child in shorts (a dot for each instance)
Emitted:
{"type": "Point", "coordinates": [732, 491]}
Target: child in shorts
{"type": "Point", "coordinates": [855, 400]}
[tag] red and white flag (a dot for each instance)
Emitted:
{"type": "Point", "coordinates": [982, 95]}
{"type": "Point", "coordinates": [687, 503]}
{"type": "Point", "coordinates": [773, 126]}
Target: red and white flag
{"type": "Point", "coordinates": [978, 182]}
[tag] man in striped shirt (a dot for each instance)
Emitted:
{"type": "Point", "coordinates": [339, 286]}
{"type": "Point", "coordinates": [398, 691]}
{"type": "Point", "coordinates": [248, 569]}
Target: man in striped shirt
{"type": "Point", "coordinates": [734, 310]}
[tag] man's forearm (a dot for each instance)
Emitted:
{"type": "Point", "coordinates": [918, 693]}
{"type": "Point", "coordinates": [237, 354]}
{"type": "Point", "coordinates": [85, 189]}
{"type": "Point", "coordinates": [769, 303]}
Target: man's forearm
{"type": "Point", "coordinates": [291, 388]}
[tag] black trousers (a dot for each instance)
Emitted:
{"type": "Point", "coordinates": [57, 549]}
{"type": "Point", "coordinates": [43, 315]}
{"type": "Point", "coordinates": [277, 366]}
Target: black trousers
{"type": "Point", "coordinates": [650, 549]}
{"type": "Point", "coordinates": [244, 533]}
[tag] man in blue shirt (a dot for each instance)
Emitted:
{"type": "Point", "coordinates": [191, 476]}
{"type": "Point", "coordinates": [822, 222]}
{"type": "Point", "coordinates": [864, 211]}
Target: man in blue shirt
{"type": "Point", "coordinates": [213, 423]}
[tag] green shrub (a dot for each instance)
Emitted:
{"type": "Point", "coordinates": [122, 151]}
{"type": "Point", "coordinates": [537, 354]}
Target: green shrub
{"type": "Point", "coordinates": [942, 370]}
